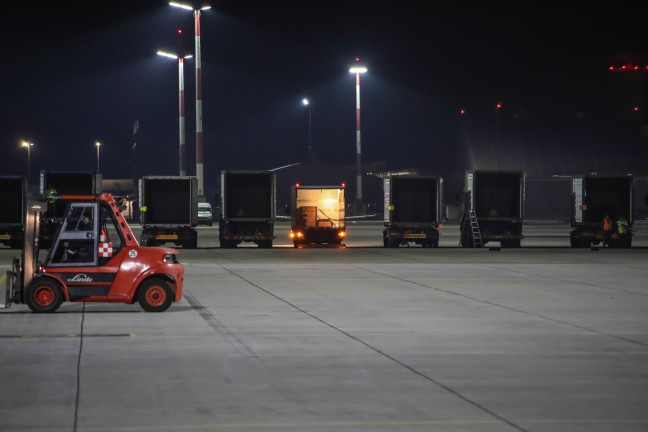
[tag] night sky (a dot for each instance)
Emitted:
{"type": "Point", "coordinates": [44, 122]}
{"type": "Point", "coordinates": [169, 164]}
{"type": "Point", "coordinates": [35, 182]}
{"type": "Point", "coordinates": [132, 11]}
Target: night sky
{"type": "Point", "coordinates": [79, 74]}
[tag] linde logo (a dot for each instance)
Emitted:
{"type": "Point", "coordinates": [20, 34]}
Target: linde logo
{"type": "Point", "coordinates": [80, 278]}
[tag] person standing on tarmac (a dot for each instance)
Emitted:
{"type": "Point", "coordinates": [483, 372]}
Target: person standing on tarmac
{"type": "Point", "coordinates": [608, 225]}
{"type": "Point", "coordinates": [622, 225]}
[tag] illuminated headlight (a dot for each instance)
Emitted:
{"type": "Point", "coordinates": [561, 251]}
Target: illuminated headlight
{"type": "Point", "coordinates": [169, 259]}
{"type": "Point", "coordinates": [342, 233]}
{"type": "Point", "coordinates": [296, 234]}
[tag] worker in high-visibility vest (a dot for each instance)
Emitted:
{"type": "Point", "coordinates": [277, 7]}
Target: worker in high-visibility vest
{"type": "Point", "coordinates": [622, 225]}
{"type": "Point", "coordinates": [51, 193]}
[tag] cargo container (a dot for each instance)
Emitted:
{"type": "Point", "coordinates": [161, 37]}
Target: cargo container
{"type": "Point", "coordinates": [13, 190]}
{"type": "Point", "coordinates": [412, 212]}
{"type": "Point", "coordinates": [493, 208]}
{"type": "Point", "coordinates": [248, 208]}
{"type": "Point", "coordinates": [317, 215]}
{"type": "Point", "coordinates": [595, 196]}
{"type": "Point", "coordinates": [169, 210]}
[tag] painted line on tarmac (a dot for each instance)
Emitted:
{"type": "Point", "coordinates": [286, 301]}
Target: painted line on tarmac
{"type": "Point", "coordinates": [67, 336]}
{"type": "Point", "coordinates": [521, 311]}
{"type": "Point", "coordinates": [3, 278]}
{"type": "Point", "coordinates": [498, 418]}
{"type": "Point", "coordinates": [220, 328]}
{"type": "Point", "coordinates": [567, 323]}
{"type": "Point", "coordinates": [347, 424]}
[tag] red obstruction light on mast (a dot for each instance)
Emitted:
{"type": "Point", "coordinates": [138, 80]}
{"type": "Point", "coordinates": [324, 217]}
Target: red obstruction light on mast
{"type": "Point", "coordinates": [628, 68]}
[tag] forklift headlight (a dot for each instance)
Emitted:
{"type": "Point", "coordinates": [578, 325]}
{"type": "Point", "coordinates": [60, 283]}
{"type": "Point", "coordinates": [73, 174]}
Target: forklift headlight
{"type": "Point", "coordinates": [342, 233]}
{"type": "Point", "coordinates": [169, 259]}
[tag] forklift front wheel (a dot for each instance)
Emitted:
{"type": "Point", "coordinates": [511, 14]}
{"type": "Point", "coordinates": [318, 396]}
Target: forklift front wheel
{"type": "Point", "coordinates": [155, 295]}
{"type": "Point", "coordinates": [43, 295]}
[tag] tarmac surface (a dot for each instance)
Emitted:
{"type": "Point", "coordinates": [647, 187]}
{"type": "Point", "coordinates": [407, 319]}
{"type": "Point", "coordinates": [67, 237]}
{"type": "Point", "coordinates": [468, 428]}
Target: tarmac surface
{"type": "Point", "coordinates": [363, 338]}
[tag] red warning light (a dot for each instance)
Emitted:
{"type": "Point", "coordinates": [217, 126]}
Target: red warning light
{"type": "Point", "coordinates": [462, 111]}
{"type": "Point", "coordinates": [296, 185]}
{"type": "Point", "coordinates": [179, 31]}
{"type": "Point", "coordinates": [343, 185]}
{"type": "Point", "coordinates": [499, 106]}
{"type": "Point", "coordinates": [628, 67]}
{"type": "Point", "coordinates": [635, 109]}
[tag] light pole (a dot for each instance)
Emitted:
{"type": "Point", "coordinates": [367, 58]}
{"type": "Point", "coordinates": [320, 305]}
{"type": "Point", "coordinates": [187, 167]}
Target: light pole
{"type": "Point", "coordinates": [357, 69]}
{"type": "Point", "coordinates": [199, 130]}
{"type": "Point", "coordinates": [306, 103]}
{"type": "Point", "coordinates": [98, 144]}
{"type": "Point", "coordinates": [498, 107]}
{"type": "Point", "coordinates": [28, 145]}
{"type": "Point", "coordinates": [181, 109]}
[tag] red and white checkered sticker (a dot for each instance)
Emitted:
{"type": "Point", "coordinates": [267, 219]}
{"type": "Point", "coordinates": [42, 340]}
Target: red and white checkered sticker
{"type": "Point", "coordinates": [105, 250]}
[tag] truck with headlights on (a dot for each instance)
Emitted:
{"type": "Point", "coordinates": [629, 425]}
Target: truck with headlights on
{"type": "Point", "coordinates": [317, 214]}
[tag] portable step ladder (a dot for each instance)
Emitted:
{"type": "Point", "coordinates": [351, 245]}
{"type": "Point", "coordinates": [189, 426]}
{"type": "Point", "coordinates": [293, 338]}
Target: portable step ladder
{"type": "Point", "coordinates": [476, 234]}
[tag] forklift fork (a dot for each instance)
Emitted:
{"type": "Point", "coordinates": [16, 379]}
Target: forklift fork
{"type": "Point", "coordinates": [13, 285]}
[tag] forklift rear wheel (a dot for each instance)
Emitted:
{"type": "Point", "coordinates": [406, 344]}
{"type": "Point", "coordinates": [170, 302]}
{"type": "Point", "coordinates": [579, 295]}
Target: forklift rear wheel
{"type": "Point", "coordinates": [155, 295]}
{"type": "Point", "coordinates": [43, 295]}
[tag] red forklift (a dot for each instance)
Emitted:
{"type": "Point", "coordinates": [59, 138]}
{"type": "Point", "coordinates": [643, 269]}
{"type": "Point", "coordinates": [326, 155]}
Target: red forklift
{"type": "Point", "coordinates": [94, 257]}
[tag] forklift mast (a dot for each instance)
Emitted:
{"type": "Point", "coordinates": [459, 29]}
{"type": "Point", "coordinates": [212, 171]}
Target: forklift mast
{"type": "Point", "coordinates": [25, 266]}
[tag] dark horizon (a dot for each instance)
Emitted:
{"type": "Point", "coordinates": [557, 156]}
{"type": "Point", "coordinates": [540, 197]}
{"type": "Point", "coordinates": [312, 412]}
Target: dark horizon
{"type": "Point", "coordinates": [87, 75]}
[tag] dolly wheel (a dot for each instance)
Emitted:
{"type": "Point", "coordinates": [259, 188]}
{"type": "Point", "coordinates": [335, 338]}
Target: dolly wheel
{"type": "Point", "coordinates": [43, 295]}
{"type": "Point", "coordinates": [155, 295]}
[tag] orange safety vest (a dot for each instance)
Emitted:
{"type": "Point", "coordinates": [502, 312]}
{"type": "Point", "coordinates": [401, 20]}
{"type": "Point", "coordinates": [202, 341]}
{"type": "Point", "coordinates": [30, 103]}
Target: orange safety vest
{"type": "Point", "coordinates": [607, 224]}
